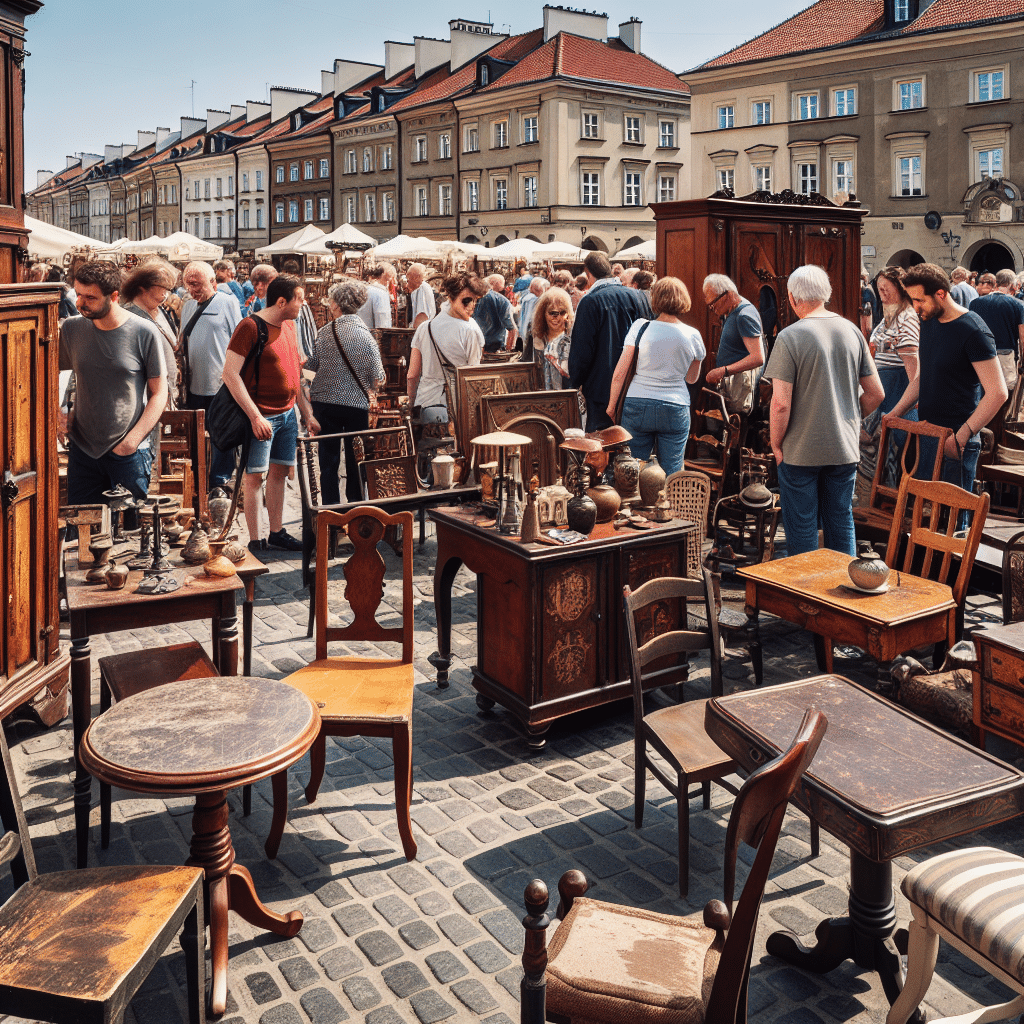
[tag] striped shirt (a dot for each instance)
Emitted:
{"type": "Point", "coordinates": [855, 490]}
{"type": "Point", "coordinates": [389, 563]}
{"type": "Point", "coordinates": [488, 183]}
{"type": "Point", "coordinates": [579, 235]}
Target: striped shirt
{"type": "Point", "coordinates": [333, 382]}
{"type": "Point", "coordinates": [890, 339]}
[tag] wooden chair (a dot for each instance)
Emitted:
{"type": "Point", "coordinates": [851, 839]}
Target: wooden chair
{"type": "Point", "coordinates": [689, 494]}
{"type": "Point", "coordinates": [874, 521]}
{"type": "Point", "coordinates": [972, 899]}
{"type": "Point", "coordinates": [1013, 580]}
{"type": "Point", "coordinates": [75, 946]}
{"type": "Point", "coordinates": [359, 696]}
{"type": "Point", "coordinates": [713, 436]}
{"type": "Point", "coordinates": [183, 436]}
{"type": "Point", "coordinates": [612, 963]}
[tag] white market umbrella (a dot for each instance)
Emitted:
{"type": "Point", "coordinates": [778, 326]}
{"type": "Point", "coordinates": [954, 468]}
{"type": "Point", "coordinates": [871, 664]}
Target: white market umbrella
{"type": "Point", "coordinates": [52, 243]}
{"type": "Point", "coordinates": [293, 242]}
{"type": "Point", "coordinates": [179, 245]}
{"type": "Point", "coordinates": [514, 249]}
{"type": "Point", "coordinates": [347, 234]}
{"type": "Point", "coordinates": [641, 251]}
{"type": "Point", "coordinates": [152, 244]}
{"type": "Point", "coordinates": [406, 247]}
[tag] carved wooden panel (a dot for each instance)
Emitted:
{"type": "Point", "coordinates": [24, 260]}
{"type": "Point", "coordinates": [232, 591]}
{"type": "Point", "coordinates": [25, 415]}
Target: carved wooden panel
{"type": "Point", "coordinates": [395, 342]}
{"type": "Point", "coordinates": [473, 382]}
{"type": "Point", "coordinates": [640, 567]}
{"type": "Point", "coordinates": [390, 478]}
{"type": "Point", "coordinates": [570, 623]}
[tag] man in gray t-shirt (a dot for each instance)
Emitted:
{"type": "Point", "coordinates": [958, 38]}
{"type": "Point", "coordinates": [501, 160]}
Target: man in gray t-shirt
{"type": "Point", "coordinates": [120, 389]}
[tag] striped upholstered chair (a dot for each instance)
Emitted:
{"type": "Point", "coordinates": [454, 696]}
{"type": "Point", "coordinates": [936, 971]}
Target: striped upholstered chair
{"type": "Point", "coordinates": [974, 899]}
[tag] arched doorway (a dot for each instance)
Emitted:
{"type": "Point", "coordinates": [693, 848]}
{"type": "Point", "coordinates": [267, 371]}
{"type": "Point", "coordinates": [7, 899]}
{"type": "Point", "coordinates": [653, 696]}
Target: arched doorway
{"type": "Point", "coordinates": [472, 239]}
{"type": "Point", "coordinates": [594, 243]}
{"type": "Point", "coordinates": [905, 258]}
{"type": "Point", "coordinates": [501, 240]}
{"type": "Point", "coordinates": [635, 240]}
{"type": "Point", "coordinates": [992, 257]}
{"type": "Point", "coordinates": [533, 238]}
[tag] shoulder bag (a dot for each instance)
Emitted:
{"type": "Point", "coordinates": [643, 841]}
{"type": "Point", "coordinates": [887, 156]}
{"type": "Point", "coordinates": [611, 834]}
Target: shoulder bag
{"type": "Point", "coordinates": [226, 423]}
{"type": "Point", "coordinates": [371, 402]}
{"type": "Point", "coordinates": [739, 389]}
{"type": "Point", "coordinates": [185, 335]}
{"type": "Point", "coordinates": [630, 374]}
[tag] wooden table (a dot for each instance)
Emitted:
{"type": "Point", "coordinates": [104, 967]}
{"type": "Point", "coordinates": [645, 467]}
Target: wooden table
{"type": "Point", "coordinates": [550, 633]}
{"type": "Point", "coordinates": [94, 608]}
{"type": "Point", "coordinates": [812, 590]}
{"type": "Point", "coordinates": [203, 737]}
{"type": "Point", "coordinates": [247, 570]}
{"type": "Point", "coordinates": [998, 698]}
{"type": "Point", "coordinates": [885, 782]}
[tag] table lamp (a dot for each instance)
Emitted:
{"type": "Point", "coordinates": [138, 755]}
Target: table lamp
{"type": "Point", "coordinates": [508, 487]}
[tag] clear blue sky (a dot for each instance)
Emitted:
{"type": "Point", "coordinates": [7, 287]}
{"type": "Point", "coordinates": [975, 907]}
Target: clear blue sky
{"type": "Point", "coordinates": [101, 70]}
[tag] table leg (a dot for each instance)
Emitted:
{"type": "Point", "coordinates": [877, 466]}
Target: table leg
{"type": "Point", "coordinates": [227, 642]}
{"type": "Point", "coordinates": [250, 596]}
{"type": "Point", "coordinates": [81, 713]}
{"type": "Point", "coordinates": [823, 653]}
{"type": "Point", "coordinates": [444, 576]}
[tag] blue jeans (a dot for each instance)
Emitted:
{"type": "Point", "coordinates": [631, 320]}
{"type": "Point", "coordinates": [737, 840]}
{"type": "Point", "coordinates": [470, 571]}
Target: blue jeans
{"type": "Point", "coordinates": [650, 420]}
{"type": "Point", "coordinates": [954, 471]}
{"type": "Point", "coordinates": [88, 478]}
{"type": "Point", "coordinates": [813, 493]}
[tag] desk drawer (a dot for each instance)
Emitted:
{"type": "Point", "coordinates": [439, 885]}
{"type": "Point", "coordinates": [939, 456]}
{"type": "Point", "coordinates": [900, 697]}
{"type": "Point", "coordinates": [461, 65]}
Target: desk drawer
{"type": "Point", "coordinates": [1003, 668]}
{"type": "Point", "coordinates": [1002, 709]}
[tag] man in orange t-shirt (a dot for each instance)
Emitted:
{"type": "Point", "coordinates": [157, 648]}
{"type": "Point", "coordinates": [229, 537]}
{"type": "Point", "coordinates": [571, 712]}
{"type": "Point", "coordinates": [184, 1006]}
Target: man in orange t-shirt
{"type": "Point", "coordinates": [270, 406]}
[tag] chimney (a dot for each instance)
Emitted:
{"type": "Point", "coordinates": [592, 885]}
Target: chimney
{"type": "Point", "coordinates": [326, 83]}
{"type": "Point", "coordinates": [162, 135]}
{"type": "Point", "coordinates": [237, 111]}
{"type": "Point", "coordinates": [191, 125]}
{"type": "Point", "coordinates": [127, 148]}
{"type": "Point", "coordinates": [145, 139]}
{"type": "Point", "coordinates": [254, 110]}
{"type": "Point", "coordinates": [430, 53]}
{"type": "Point", "coordinates": [590, 25]}
{"type": "Point", "coordinates": [397, 57]}
{"type": "Point", "coordinates": [629, 33]}
{"type": "Point", "coordinates": [88, 159]}
{"type": "Point", "coordinates": [215, 118]}
{"type": "Point", "coordinates": [284, 101]}
{"type": "Point", "coordinates": [468, 40]}
{"type": "Point", "coordinates": [111, 153]}
{"type": "Point", "coordinates": [348, 73]}
{"type": "Point", "coordinates": [71, 161]}
{"type": "Point", "coordinates": [42, 177]}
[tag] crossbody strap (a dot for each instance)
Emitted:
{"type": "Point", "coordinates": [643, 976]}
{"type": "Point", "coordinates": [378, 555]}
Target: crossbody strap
{"type": "Point", "coordinates": [337, 341]}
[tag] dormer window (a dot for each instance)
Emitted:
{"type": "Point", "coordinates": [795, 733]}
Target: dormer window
{"type": "Point", "coordinates": [485, 74]}
{"type": "Point", "coordinates": [901, 10]}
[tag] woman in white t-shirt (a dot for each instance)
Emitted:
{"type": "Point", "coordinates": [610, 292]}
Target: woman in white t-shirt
{"type": "Point", "coordinates": [657, 405]}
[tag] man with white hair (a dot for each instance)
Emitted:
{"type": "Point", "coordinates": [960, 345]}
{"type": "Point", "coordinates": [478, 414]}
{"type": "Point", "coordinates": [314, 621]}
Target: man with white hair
{"type": "Point", "coordinates": [421, 296]}
{"type": "Point", "coordinates": [376, 310]}
{"type": "Point", "coordinates": [208, 319]}
{"type": "Point", "coordinates": [739, 346]}
{"type": "Point", "coordinates": [494, 315]}
{"type": "Point", "coordinates": [963, 293]}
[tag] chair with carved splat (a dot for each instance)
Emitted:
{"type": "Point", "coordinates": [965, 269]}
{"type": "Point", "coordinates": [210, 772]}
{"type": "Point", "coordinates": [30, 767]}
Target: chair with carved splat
{"type": "Point", "coordinates": [359, 696]}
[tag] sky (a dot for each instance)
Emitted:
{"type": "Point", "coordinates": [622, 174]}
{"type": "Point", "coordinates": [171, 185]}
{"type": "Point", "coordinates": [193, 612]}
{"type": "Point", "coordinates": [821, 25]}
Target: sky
{"type": "Point", "coordinates": [102, 70]}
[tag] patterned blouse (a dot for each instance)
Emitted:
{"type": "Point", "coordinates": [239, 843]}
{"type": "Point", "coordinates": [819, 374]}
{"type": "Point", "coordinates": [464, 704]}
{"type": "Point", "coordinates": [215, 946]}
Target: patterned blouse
{"type": "Point", "coordinates": [333, 382]}
{"type": "Point", "coordinates": [890, 339]}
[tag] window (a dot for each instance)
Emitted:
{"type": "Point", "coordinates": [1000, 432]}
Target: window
{"type": "Point", "coordinates": [501, 135]}
{"type": "Point", "coordinates": [807, 106]}
{"type": "Point", "coordinates": [631, 191]}
{"type": "Point", "coordinates": [666, 188]}
{"type": "Point", "coordinates": [472, 195]}
{"type": "Point", "coordinates": [444, 200]}
{"type": "Point", "coordinates": [293, 211]}
{"type": "Point", "coordinates": [988, 85]}
{"type": "Point", "coordinates": [632, 129]}
{"type": "Point", "coordinates": [763, 178]}
{"type": "Point", "coordinates": [485, 74]}
{"type": "Point", "coordinates": [231, 223]}
{"type": "Point", "coordinates": [910, 176]}
{"type": "Point", "coordinates": [325, 168]}
{"type": "Point", "coordinates": [350, 161]}
{"type": "Point", "coordinates": [206, 189]}
{"type": "Point", "coordinates": [220, 221]}
{"type": "Point", "coordinates": [386, 161]}
{"type": "Point", "coordinates": [259, 216]}
{"type": "Point", "coordinates": [763, 112]}
{"type": "Point", "coordinates": [808, 174]}
{"type": "Point", "coordinates": [590, 126]}
{"type": "Point", "coordinates": [420, 148]}
{"type": "Point", "coordinates": [422, 206]}
{"type": "Point", "coordinates": [990, 164]}
{"type": "Point", "coordinates": [591, 188]}
{"type": "Point", "coordinates": [307, 170]}
{"type": "Point", "coordinates": [389, 206]}
{"type": "Point", "coordinates": [531, 132]}
{"type": "Point", "coordinates": [245, 218]}
{"type": "Point", "coordinates": [245, 182]}
{"type": "Point", "coordinates": [842, 176]}
{"type": "Point", "coordinates": [472, 140]}
{"type": "Point", "coordinates": [259, 181]}
{"type": "Point", "coordinates": [844, 102]}
{"type": "Point", "coordinates": [667, 135]}
{"type": "Point", "coordinates": [188, 189]}
{"type": "Point", "coordinates": [324, 208]}
{"type": "Point", "coordinates": [367, 160]}
{"type": "Point", "coordinates": [901, 10]}
{"type": "Point", "coordinates": [726, 117]}
{"type": "Point", "coordinates": [444, 146]}
{"type": "Point", "coordinates": [231, 184]}
{"type": "Point", "coordinates": [293, 172]}
{"type": "Point", "coordinates": [501, 194]}
{"type": "Point", "coordinates": [350, 209]}
{"type": "Point", "coordinates": [280, 173]}
{"type": "Point", "coordinates": [371, 208]}
{"type": "Point", "coordinates": [910, 94]}
{"type": "Point", "coordinates": [307, 209]}
{"type": "Point", "coordinates": [530, 190]}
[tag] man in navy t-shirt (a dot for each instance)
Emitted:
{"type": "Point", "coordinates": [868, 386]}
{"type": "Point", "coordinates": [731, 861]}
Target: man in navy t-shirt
{"type": "Point", "coordinates": [960, 385]}
{"type": "Point", "coordinates": [494, 315]}
{"type": "Point", "coordinates": [1004, 315]}
{"type": "Point", "coordinates": [739, 347]}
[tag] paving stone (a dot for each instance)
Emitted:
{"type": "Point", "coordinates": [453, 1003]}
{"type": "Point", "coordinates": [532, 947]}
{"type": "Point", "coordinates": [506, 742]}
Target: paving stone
{"type": "Point", "coordinates": [394, 910]}
{"type": "Point", "coordinates": [487, 956]}
{"type": "Point", "coordinates": [370, 883]}
{"type": "Point", "coordinates": [569, 836]}
{"type": "Point", "coordinates": [378, 947]}
{"type": "Point", "coordinates": [350, 826]}
{"type": "Point", "coordinates": [317, 934]}
{"type": "Point", "coordinates": [519, 799]}
{"type": "Point", "coordinates": [550, 788]}
{"type": "Point", "coordinates": [361, 993]}
{"type": "Point", "coordinates": [474, 898]}
{"type": "Point", "coordinates": [517, 821]}
{"type": "Point", "coordinates": [518, 772]}
{"type": "Point", "coordinates": [592, 785]}
{"type": "Point", "coordinates": [487, 830]}
{"type": "Point", "coordinates": [506, 928]}
{"type": "Point", "coordinates": [432, 904]}
{"type": "Point", "coordinates": [430, 1007]}
{"type": "Point", "coordinates": [322, 1007]}
{"type": "Point", "coordinates": [298, 972]}
{"type": "Point", "coordinates": [283, 1014]}
{"type": "Point", "coordinates": [409, 879]}
{"type": "Point", "coordinates": [635, 888]}
{"type": "Point", "coordinates": [604, 822]}
{"type": "Point", "coordinates": [490, 864]}
{"type": "Point", "coordinates": [531, 849]}
{"type": "Point", "coordinates": [473, 994]}
{"type": "Point", "coordinates": [330, 894]}
{"type": "Point", "coordinates": [510, 979]}
{"type": "Point", "coordinates": [446, 873]}
{"type": "Point", "coordinates": [446, 966]}
{"type": "Point", "coordinates": [404, 979]}
{"type": "Point", "coordinates": [600, 861]}
{"type": "Point", "coordinates": [545, 816]}
{"type": "Point", "coordinates": [340, 963]}
{"type": "Point", "coordinates": [262, 987]}
{"type": "Point", "coordinates": [793, 984]}
{"type": "Point", "coordinates": [354, 919]}
{"type": "Point", "coordinates": [457, 929]}
{"type": "Point", "coordinates": [430, 819]}
{"type": "Point", "coordinates": [384, 1015]}
{"type": "Point", "coordinates": [566, 772]}
{"type": "Point", "coordinates": [456, 843]}
{"type": "Point", "coordinates": [418, 934]}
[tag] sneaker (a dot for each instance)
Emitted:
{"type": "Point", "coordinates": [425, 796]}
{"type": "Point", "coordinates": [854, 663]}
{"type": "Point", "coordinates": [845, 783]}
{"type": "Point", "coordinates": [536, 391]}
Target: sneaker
{"type": "Point", "coordinates": [258, 546]}
{"type": "Point", "coordinates": [284, 540]}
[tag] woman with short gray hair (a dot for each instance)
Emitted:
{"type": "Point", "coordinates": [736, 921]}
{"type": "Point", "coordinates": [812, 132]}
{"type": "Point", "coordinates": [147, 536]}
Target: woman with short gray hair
{"type": "Point", "coordinates": [348, 368]}
{"type": "Point", "coordinates": [817, 367]}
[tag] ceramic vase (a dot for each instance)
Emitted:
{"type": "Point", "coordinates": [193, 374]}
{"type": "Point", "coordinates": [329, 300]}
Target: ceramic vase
{"type": "Point", "coordinates": [652, 482]}
{"type": "Point", "coordinates": [867, 570]}
{"type": "Point", "coordinates": [606, 498]}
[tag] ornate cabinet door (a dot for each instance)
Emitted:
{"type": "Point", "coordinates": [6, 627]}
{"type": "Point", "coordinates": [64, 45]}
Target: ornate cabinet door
{"type": "Point", "coordinates": [572, 637]}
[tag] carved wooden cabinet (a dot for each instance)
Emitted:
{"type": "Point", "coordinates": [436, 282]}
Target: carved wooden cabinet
{"type": "Point", "coordinates": [999, 683]}
{"type": "Point", "coordinates": [31, 665]}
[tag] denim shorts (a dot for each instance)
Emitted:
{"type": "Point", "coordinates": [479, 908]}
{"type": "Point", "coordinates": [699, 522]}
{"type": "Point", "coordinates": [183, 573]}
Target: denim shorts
{"type": "Point", "coordinates": [280, 449]}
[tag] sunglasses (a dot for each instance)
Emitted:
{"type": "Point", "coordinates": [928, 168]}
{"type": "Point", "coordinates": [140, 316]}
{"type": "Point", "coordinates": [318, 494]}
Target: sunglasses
{"type": "Point", "coordinates": [715, 301]}
{"type": "Point", "coordinates": [557, 313]}
{"type": "Point", "coordinates": [466, 303]}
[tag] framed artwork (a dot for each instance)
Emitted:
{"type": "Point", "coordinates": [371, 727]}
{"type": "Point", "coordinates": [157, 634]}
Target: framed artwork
{"type": "Point", "coordinates": [390, 478]}
{"type": "Point", "coordinates": [472, 383]}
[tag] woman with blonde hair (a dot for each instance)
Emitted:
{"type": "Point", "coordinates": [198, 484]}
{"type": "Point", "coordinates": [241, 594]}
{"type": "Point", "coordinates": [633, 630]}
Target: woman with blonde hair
{"type": "Point", "coordinates": [552, 331]}
{"type": "Point", "coordinates": [143, 291]}
{"type": "Point", "coordinates": [668, 355]}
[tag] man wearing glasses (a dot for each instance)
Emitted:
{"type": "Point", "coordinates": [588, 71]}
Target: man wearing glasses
{"type": "Point", "coordinates": [739, 347]}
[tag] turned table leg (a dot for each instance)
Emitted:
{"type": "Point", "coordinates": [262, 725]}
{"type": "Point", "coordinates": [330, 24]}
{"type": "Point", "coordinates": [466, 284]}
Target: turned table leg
{"type": "Point", "coordinates": [81, 712]}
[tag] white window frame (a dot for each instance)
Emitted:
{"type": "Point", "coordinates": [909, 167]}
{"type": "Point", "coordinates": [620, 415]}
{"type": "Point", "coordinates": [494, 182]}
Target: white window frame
{"type": "Point", "coordinates": [841, 179]}
{"type": "Point", "coordinates": [726, 178]}
{"type": "Point", "coordinates": [632, 188]}
{"type": "Point", "coordinates": [280, 174]}
{"type": "Point", "coordinates": [206, 189]}
{"type": "Point", "coordinates": [531, 128]}
{"type": "Point", "coordinates": [370, 204]}
{"type": "Point", "coordinates": [325, 167]}
{"type": "Point", "coordinates": [389, 207]}
{"type": "Point", "coordinates": [444, 200]}
{"type": "Point", "coordinates": [420, 149]}
{"type": "Point", "coordinates": [807, 177]}
{"type": "Point", "coordinates": [259, 217]}
{"type": "Point", "coordinates": [245, 181]}
{"type": "Point", "coordinates": [984, 95]}
{"type": "Point", "coordinates": [307, 170]}
{"type": "Point", "coordinates": [307, 210]}
{"type": "Point", "coordinates": [901, 11]}
{"type": "Point", "coordinates": [259, 181]}
{"type": "Point", "coordinates": [293, 211]}
{"type": "Point", "coordinates": [909, 146]}
{"type": "Point", "coordinates": [909, 82]}
{"type": "Point", "coordinates": [350, 161]}
{"type": "Point", "coordinates": [590, 187]}
{"type": "Point", "coordinates": [386, 160]}
{"type": "Point", "coordinates": [501, 193]}
{"type": "Point", "coordinates": [725, 116]}
{"type": "Point", "coordinates": [844, 91]}
{"type": "Point", "coordinates": [472, 196]}
{"type": "Point", "coordinates": [245, 218]}
{"type": "Point", "coordinates": [761, 177]}
{"type": "Point", "coordinates": [806, 102]}
{"type": "Point", "coordinates": [590, 125]}
{"type": "Point", "coordinates": [761, 112]}
{"type": "Point", "coordinates": [986, 141]}
{"type": "Point", "coordinates": [500, 134]}
{"type": "Point", "coordinates": [667, 134]}
{"type": "Point", "coordinates": [444, 146]}
{"type": "Point", "coordinates": [293, 172]}
{"type": "Point", "coordinates": [632, 129]}
{"type": "Point", "coordinates": [471, 139]}
{"type": "Point", "coordinates": [350, 209]}
{"type": "Point", "coordinates": [324, 208]}
{"type": "Point", "coordinates": [530, 191]}
{"type": "Point", "coordinates": [422, 202]}
{"type": "Point", "coordinates": [909, 168]}
{"type": "Point", "coordinates": [666, 188]}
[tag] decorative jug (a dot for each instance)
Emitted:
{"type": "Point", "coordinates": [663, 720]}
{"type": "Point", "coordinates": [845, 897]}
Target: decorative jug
{"type": "Point", "coordinates": [868, 571]}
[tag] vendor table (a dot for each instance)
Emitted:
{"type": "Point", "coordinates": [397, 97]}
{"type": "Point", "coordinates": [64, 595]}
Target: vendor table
{"type": "Point", "coordinates": [203, 737]}
{"type": "Point", "coordinates": [551, 638]}
{"type": "Point", "coordinates": [97, 609]}
{"type": "Point", "coordinates": [884, 782]}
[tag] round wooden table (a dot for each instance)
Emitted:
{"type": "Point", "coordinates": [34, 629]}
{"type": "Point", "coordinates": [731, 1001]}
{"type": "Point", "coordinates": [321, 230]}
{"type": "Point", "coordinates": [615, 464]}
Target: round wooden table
{"type": "Point", "coordinates": [203, 737]}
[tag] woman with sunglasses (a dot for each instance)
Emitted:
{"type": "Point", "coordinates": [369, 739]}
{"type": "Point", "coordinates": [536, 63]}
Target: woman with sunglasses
{"type": "Point", "coordinates": [452, 338]}
{"type": "Point", "coordinates": [552, 327]}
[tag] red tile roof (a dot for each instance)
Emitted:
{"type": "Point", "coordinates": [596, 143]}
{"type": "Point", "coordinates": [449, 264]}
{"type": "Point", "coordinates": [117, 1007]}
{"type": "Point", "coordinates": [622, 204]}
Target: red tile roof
{"type": "Point", "coordinates": [596, 61]}
{"type": "Point", "coordinates": [950, 13]}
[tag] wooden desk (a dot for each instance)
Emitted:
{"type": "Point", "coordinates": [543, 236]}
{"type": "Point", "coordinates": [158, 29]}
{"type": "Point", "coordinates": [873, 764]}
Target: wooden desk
{"type": "Point", "coordinates": [811, 591]}
{"type": "Point", "coordinates": [94, 608]}
{"type": "Point", "coordinates": [998, 697]}
{"type": "Point", "coordinates": [885, 782]}
{"type": "Point", "coordinates": [203, 737]}
{"type": "Point", "coordinates": [550, 634]}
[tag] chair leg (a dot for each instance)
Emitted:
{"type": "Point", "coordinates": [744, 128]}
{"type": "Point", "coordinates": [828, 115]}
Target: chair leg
{"type": "Point", "coordinates": [922, 952]}
{"type": "Point", "coordinates": [815, 838]}
{"type": "Point", "coordinates": [279, 782]}
{"type": "Point", "coordinates": [401, 746]}
{"type": "Point", "coordinates": [193, 942]}
{"type": "Point", "coordinates": [312, 608]}
{"type": "Point", "coordinates": [758, 661]}
{"type": "Point", "coordinates": [705, 792]}
{"type": "Point", "coordinates": [683, 816]}
{"type": "Point", "coordinates": [640, 781]}
{"type": "Point", "coordinates": [317, 764]}
{"type": "Point", "coordinates": [104, 786]}
{"type": "Point", "coordinates": [247, 801]}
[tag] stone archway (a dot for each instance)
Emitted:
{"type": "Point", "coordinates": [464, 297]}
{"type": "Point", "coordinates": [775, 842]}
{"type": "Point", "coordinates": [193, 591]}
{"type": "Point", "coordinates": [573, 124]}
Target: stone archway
{"type": "Point", "coordinates": [634, 240]}
{"type": "Point", "coordinates": [905, 258]}
{"type": "Point", "coordinates": [989, 257]}
{"type": "Point", "coordinates": [594, 243]}
{"type": "Point", "coordinates": [472, 240]}
{"type": "Point", "coordinates": [501, 240]}
{"type": "Point", "coordinates": [533, 238]}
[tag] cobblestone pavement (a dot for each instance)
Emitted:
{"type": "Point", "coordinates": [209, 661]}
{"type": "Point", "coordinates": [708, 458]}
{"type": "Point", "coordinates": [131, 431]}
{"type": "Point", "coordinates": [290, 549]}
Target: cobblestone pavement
{"type": "Point", "coordinates": [385, 941]}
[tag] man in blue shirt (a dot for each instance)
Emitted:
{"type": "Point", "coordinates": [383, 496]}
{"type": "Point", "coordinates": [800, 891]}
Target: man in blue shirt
{"type": "Point", "coordinates": [522, 282]}
{"type": "Point", "coordinates": [260, 276]}
{"type": "Point", "coordinates": [739, 347]}
{"type": "Point", "coordinates": [494, 315]}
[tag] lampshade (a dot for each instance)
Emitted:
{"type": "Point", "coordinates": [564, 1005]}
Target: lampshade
{"type": "Point", "coordinates": [502, 439]}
